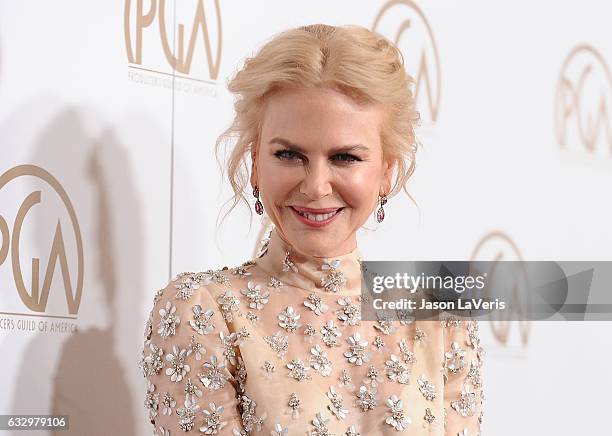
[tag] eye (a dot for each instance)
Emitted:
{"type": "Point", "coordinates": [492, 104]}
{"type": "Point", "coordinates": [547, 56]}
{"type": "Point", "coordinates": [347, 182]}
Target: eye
{"type": "Point", "coordinates": [346, 158]}
{"type": "Point", "coordinates": [286, 154]}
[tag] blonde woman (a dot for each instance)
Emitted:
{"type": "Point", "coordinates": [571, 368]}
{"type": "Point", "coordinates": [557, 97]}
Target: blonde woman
{"type": "Point", "coordinates": [277, 346]}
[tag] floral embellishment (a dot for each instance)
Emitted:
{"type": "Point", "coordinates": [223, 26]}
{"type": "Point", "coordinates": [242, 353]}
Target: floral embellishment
{"type": "Point", "coordinates": [253, 317]}
{"type": "Point", "coordinates": [366, 399]}
{"type": "Point", "coordinates": [228, 303]}
{"type": "Point", "coordinates": [397, 371]}
{"type": "Point", "coordinates": [429, 417]}
{"type": "Point", "coordinates": [373, 377]}
{"type": "Point", "coordinates": [319, 361]}
{"type": "Point", "coordinates": [407, 355]}
{"type": "Point", "coordinates": [279, 430]}
{"type": "Point", "coordinates": [151, 402]}
{"type": "Point", "coordinates": [214, 275]}
{"type": "Point", "coordinates": [331, 333]}
{"type": "Point", "coordinates": [349, 314]}
{"type": "Point", "coordinates": [196, 348]}
{"type": "Point", "coordinates": [352, 431]}
{"type": "Point", "coordinates": [249, 420]}
{"type": "Point", "coordinates": [154, 362]}
{"type": "Point", "coordinates": [297, 370]}
{"type": "Point", "coordinates": [214, 379]}
{"type": "Point", "coordinates": [379, 344]}
{"type": "Point", "coordinates": [168, 403]}
{"type": "Point", "coordinates": [455, 359]}
{"type": "Point", "coordinates": [161, 431]}
{"type": "Point", "coordinates": [397, 420]}
{"type": "Point", "coordinates": [429, 420]}
{"type": "Point", "coordinates": [419, 335]}
{"type": "Point", "coordinates": [192, 391]}
{"type": "Point", "coordinates": [168, 321]}
{"type": "Point", "coordinates": [265, 242]}
{"type": "Point", "coordinates": [187, 415]}
{"type": "Point", "coordinates": [335, 280]}
{"type": "Point", "coordinates": [268, 369]}
{"type": "Point", "coordinates": [158, 294]}
{"type": "Point", "coordinates": [289, 264]}
{"type": "Point", "coordinates": [427, 388]}
{"type": "Point", "coordinates": [450, 321]}
{"type": "Point", "coordinates": [294, 406]}
{"type": "Point", "coordinates": [289, 319]}
{"type": "Point", "coordinates": [202, 321]}
{"type": "Point", "coordinates": [242, 270]}
{"type": "Point", "coordinates": [357, 353]}
{"type": "Point", "coordinates": [336, 406]}
{"type": "Point", "coordinates": [240, 375]}
{"type": "Point", "coordinates": [466, 404]}
{"type": "Point", "coordinates": [242, 335]}
{"type": "Point", "coordinates": [228, 343]}
{"type": "Point", "coordinates": [189, 282]}
{"type": "Point", "coordinates": [310, 333]}
{"type": "Point", "coordinates": [256, 296]}
{"type": "Point", "coordinates": [474, 377]}
{"type": "Point", "coordinates": [315, 303]}
{"type": "Point", "coordinates": [178, 368]}
{"type": "Point", "coordinates": [405, 316]}
{"type": "Point", "coordinates": [278, 342]}
{"type": "Point", "coordinates": [320, 426]}
{"type": "Point", "coordinates": [148, 327]}
{"type": "Point", "coordinates": [346, 380]}
{"type": "Point", "coordinates": [386, 326]}
{"type": "Point", "coordinates": [212, 419]}
{"type": "Point", "coordinates": [275, 283]}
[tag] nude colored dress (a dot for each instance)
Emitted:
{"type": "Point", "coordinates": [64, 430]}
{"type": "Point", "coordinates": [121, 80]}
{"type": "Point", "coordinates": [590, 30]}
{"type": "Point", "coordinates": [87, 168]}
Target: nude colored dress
{"type": "Point", "coordinates": [276, 346]}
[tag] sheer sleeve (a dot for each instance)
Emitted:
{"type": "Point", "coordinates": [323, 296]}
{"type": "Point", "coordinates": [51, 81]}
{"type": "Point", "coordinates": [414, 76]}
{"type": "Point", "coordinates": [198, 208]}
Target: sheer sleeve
{"type": "Point", "coordinates": [189, 361]}
{"type": "Point", "coordinates": [462, 362]}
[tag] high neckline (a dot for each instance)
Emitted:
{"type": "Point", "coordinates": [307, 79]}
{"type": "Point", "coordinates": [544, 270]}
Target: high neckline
{"type": "Point", "coordinates": [338, 275]}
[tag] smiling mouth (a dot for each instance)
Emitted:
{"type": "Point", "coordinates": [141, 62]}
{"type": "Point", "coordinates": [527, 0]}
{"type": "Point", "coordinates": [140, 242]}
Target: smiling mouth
{"type": "Point", "coordinates": [317, 217]}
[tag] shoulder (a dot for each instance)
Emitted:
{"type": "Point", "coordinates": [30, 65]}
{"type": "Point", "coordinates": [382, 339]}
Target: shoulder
{"type": "Point", "coordinates": [173, 302]}
{"type": "Point", "coordinates": [191, 293]}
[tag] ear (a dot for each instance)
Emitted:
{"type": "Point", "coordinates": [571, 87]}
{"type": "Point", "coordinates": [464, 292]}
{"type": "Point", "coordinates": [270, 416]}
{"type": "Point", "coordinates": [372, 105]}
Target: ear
{"type": "Point", "coordinates": [388, 167]}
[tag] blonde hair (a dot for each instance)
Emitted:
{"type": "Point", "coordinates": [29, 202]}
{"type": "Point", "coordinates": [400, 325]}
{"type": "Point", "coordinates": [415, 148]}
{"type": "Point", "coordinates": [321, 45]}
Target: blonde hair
{"type": "Point", "coordinates": [351, 59]}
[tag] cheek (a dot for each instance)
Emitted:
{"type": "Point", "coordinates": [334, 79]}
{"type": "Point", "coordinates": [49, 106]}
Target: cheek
{"type": "Point", "coordinates": [276, 185]}
{"type": "Point", "coordinates": [360, 189]}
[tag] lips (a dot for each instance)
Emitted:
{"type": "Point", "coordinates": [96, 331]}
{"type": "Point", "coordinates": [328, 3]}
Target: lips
{"type": "Point", "coordinates": [319, 218]}
{"type": "Point", "coordinates": [316, 211]}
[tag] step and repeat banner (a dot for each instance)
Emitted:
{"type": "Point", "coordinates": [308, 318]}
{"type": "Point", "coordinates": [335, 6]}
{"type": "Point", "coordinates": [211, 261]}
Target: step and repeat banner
{"type": "Point", "coordinates": [109, 112]}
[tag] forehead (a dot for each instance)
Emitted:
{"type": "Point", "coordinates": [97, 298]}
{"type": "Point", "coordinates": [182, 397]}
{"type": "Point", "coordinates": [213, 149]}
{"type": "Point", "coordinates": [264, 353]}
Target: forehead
{"type": "Point", "coordinates": [320, 117]}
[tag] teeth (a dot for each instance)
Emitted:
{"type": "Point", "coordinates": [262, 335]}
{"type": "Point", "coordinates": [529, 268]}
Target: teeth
{"type": "Point", "coordinates": [318, 216]}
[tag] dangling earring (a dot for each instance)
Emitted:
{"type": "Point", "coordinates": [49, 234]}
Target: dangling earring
{"type": "Point", "coordinates": [258, 205]}
{"type": "Point", "coordinates": [380, 213]}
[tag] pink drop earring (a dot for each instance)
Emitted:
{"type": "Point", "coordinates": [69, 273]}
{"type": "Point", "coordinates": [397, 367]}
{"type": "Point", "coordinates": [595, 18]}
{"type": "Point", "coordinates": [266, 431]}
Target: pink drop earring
{"type": "Point", "coordinates": [380, 213]}
{"type": "Point", "coordinates": [258, 204]}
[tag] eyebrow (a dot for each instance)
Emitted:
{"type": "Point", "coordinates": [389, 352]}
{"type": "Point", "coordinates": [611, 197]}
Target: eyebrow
{"type": "Point", "coordinates": [340, 149]}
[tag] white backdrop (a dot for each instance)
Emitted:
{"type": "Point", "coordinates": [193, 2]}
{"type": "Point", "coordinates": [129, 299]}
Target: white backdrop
{"type": "Point", "coordinates": [117, 139]}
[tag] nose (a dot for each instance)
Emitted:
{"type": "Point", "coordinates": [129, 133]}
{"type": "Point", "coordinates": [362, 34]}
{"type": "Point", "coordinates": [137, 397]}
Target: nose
{"type": "Point", "coordinates": [317, 181]}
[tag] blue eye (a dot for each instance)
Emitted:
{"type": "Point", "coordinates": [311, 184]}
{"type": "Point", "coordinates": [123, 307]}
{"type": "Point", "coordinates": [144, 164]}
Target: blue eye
{"type": "Point", "coordinates": [290, 155]}
{"type": "Point", "coordinates": [347, 157]}
{"type": "Point", "coordinates": [285, 154]}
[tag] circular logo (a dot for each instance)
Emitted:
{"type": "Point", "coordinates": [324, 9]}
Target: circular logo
{"type": "Point", "coordinates": [583, 102]}
{"type": "Point", "coordinates": [403, 23]}
{"type": "Point", "coordinates": [496, 246]}
{"type": "Point", "coordinates": [36, 299]}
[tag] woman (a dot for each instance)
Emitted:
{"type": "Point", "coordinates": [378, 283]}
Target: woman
{"type": "Point", "coordinates": [276, 346]}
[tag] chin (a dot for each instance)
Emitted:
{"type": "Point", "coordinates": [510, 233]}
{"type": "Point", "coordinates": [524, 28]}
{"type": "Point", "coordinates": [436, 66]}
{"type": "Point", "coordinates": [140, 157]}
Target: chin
{"type": "Point", "coordinates": [315, 244]}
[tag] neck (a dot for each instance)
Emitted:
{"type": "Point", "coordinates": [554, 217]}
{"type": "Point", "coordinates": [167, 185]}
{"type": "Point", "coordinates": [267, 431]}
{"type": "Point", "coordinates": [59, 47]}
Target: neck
{"type": "Point", "coordinates": [339, 274]}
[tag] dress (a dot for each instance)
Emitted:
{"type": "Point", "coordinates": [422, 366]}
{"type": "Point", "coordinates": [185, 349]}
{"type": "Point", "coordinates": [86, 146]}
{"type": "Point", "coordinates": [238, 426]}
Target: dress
{"type": "Point", "coordinates": [276, 346]}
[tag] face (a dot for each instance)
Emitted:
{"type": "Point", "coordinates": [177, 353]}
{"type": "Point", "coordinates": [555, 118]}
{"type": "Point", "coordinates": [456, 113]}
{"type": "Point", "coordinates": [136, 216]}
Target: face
{"type": "Point", "coordinates": [319, 168]}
